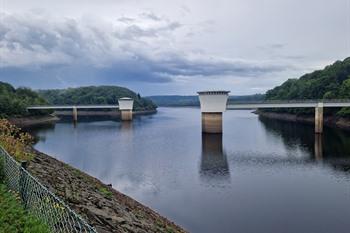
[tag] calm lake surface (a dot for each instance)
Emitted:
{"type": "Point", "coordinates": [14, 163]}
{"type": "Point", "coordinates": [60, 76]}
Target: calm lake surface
{"type": "Point", "coordinates": [260, 176]}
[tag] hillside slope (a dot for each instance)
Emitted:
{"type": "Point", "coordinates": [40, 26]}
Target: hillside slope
{"type": "Point", "coordinates": [333, 82]}
{"type": "Point", "coordinates": [13, 102]}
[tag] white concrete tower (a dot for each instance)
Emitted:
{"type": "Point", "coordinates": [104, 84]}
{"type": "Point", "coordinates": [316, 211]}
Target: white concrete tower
{"type": "Point", "coordinates": [125, 106]}
{"type": "Point", "coordinates": [213, 104]}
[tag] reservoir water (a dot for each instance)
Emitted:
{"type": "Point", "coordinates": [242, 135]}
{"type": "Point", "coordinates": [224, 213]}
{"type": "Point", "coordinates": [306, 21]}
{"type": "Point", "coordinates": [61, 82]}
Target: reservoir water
{"type": "Point", "coordinates": [260, 176]}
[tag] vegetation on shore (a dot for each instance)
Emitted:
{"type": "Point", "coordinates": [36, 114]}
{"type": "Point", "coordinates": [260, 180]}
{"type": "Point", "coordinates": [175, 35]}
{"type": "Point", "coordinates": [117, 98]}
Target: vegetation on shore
{"type": "Point", "coordinates": [13, 217]}
{"type": "Point", "coordinates": [333, 82]}
{"type": "Point", "coordinates": [13, 102]}
{"type": "Point", "coordinates": [95, 95]}
{"type": "Point", "coordinates": [14, 141]}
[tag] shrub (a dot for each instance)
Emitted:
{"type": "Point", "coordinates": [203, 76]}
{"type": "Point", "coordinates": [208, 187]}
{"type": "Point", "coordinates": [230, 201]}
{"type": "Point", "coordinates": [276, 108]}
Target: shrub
{"type": "Point", "coordinates": [14, 141]}
{"type": "Point", "coordinates": [1, 168]}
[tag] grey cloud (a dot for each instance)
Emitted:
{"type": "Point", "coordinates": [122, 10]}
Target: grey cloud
{"type": "Point", "coordinates": [71, 52]}
{"type": "Point", "coordinates": [277, 46]}
{"type": "Point", "coordinates": [126, 19]}
{"type": "Point", "coordinates": [152, 16]}
{"type": "Point", "coordinates": [135, 31]}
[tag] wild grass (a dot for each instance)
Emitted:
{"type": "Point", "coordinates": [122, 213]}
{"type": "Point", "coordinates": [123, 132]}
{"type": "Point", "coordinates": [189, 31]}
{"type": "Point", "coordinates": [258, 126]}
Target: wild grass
{"type": "Point", "coordinates": [13, 217]}
{"type": "Point", "coordinates": [105, 192]}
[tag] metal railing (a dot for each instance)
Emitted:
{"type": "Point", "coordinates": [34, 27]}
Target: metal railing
{"type": "Point", "coordinates": [39, 201]}
{"type": "Point", "coordinates": [288, 101]}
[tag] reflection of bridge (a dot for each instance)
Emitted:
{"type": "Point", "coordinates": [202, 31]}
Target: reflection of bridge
{"type": "Point", "coordinates": [214, 103]}
{"type": "Point", "coordinates": [125, 106]}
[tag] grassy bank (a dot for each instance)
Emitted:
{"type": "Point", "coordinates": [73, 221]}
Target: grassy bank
{"type": "Point", "coordinates": [13, 217]}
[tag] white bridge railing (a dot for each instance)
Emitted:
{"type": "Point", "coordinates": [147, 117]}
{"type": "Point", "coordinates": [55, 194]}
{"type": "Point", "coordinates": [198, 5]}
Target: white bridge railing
{"type": "Point", "coordinates": [45, 107]}
{"type": "Point", "coordinates": [287, 104]}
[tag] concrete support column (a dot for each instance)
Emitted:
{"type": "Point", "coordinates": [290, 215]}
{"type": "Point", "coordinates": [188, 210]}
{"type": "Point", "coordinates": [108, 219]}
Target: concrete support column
{"type": "Point", "coordinates": [75, 114]}
{"type": "Point", "coordinates": [126, 115]}
{"type": "Point", "coordinates": [125, 106]}
{"type": "Point", "coordinates": [213, 104]}
{"type": "Point", "coordinates": [319, 118]}
{"type": "Point", "coordinates": [212, 122]}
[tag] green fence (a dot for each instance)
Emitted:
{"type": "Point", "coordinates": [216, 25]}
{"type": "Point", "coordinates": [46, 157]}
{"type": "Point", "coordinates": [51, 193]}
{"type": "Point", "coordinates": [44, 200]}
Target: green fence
{"type": "Point", "coordinates": [39, 201]}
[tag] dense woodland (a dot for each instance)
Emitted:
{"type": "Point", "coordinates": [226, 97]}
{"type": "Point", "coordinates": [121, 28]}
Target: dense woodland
{"type": "Point", "coordinates": [13, 102]}
{"type": "Point", "coordinates": [333, 82]}
{"type": "Point", "coordinates": [95, 95]}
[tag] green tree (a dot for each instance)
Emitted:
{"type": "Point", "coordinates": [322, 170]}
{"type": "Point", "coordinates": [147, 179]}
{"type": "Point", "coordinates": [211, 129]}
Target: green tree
{"type": "Point", "coordinates": [333, 82]}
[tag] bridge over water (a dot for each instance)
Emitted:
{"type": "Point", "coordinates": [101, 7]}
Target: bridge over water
{"type": "Point", "coordinates": [289, 104]}
{"type": "Point", "coordinates": [214, 103]}
{"type": "Point", "coordinates": [125, 105]}
{"type": "Point", "coordinates": [71, 107]}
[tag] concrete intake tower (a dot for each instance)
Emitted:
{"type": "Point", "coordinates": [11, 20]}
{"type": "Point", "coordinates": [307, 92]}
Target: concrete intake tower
{"type": "Point", "coordinates": [213, 104]}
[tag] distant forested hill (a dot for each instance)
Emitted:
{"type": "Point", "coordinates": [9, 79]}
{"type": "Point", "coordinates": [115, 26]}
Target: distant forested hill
{"type": "Point", "coordinates": [333, 82]}
{"type": "Point", "coordinates": [192, 100]}
{"type": "Point", "coordinates": [95, 95]}
{"type": "Point", "coordinates": [13, 102]}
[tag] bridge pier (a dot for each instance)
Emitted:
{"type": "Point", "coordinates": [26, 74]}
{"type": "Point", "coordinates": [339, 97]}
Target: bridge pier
{"type": "Point", "coordinates": [75, 114]}
{"type": "Point", "coordinates": [125, 107]}
{"type": "Point", "coordinates": [213, 104]}
{"type": "Point", "coordinates": [319, 118]}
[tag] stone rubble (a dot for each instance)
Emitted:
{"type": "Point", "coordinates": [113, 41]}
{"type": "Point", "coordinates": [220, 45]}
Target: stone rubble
{"type": "Point", "coordinates": [103, 207]}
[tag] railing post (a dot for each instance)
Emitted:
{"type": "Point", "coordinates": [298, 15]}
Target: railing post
{"type": "Point", "coordinates": [22, 189]}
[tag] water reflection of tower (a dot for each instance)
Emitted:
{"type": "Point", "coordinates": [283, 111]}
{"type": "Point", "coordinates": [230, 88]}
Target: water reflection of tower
{"type": "Point", "coordinates": [126, 126]}
{"type": "Point", "coordinates": [126, 132]}
{"type": "Point", "coordinates": [214, 163]}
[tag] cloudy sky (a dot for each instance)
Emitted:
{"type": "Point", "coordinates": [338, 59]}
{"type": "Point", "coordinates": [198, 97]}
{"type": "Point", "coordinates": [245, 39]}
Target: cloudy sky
{"type": "Point", "coordinates": [169, 47]}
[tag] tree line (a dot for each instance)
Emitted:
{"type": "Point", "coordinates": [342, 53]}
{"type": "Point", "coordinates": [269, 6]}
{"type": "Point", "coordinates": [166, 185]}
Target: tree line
{"type": "Point", "coordinates": [95, 95]}
{"type": "Point", "coordinates": [332, 82]}
{"type": "Point", "coordinates": [13, 102]}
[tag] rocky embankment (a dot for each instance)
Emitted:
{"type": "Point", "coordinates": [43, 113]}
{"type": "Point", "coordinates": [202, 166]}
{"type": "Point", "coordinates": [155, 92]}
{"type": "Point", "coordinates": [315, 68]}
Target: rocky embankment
{"type": "Point", "coordinates": [103, 207]}
{"type": "Point", "coordinates": [331, 121]}
{"type": "Point", "coordinates": [24, 122]}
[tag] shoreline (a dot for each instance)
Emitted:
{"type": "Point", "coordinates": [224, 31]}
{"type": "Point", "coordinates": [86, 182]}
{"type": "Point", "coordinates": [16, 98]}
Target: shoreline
{"type": "Point", "coordinates": [31, 121]}
{"type": "Point", "coordinates": [102, 206]}
{"type": "Point", "coordinates": [330, 121]}
{"type": "Point", "coordinates": [24, 122]}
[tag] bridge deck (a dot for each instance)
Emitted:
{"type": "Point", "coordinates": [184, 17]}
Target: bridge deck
{"type": "Point", "coordinates": [72, 106]}
{"type": "Point", "coordinates": [233, 106]}
{"type": "Point", "coordinates": [230, 106]}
